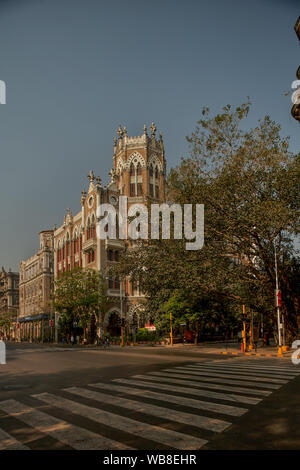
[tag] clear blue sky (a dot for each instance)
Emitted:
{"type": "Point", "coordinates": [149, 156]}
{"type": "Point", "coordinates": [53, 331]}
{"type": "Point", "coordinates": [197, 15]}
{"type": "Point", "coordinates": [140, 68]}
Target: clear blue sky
{"type": "Point", "coordinates": [76, 69]}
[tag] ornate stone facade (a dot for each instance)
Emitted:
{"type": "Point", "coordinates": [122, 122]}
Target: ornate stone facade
{"type": "Point", "coordinates": [138, 172]}
{"type": "Point", "coordinates": [9, 291]}
{"type": "Point", "coordinates": [36, 286]}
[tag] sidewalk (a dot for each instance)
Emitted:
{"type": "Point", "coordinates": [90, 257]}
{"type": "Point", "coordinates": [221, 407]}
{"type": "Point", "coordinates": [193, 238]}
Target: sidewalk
{"type": "Point", "coordinates": [233, 349]}
{"type": "Point", "coordinates": [228, 348]}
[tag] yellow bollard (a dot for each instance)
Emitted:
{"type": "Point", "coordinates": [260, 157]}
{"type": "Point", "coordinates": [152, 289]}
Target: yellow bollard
{"type": "Point", "coordinates": [280, 351]}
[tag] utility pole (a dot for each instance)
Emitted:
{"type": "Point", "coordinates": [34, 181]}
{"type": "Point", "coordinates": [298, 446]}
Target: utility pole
{"type": "Point", "coordinates": [171, 329]}
{"type": "Point", "coordinates": [121, 309]}
{"type": "Point", "coordinates": [244, 329]}
{"type": "Point", "coordinates": [251, 332]}
{"type": "Point", "coordinates": [277, 303]}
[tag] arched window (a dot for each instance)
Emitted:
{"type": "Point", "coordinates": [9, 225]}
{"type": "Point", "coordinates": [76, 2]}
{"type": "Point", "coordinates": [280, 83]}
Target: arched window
{"type": "Point", "coordinates": [88, 229]}
{"type": "Point", "coordinates": [154, 180]}
{"type": "Point", "coordinates": [136, 179]}
{"type": "Point", "coordinates": [93, 231]}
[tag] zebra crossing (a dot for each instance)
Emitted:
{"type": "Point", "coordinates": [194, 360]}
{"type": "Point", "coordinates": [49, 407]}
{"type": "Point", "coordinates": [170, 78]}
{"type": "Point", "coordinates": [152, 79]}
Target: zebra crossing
{"type": "Point", "coordinates": [182, 408]}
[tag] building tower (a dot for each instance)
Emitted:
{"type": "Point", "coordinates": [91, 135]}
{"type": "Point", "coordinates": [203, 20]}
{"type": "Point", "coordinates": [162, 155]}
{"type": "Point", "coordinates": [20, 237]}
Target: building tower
{"type": "Point", "coordinates": [139, 166]}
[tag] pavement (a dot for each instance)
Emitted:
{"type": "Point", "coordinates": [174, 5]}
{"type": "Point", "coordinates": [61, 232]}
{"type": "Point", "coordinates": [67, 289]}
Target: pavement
{"type": "Point", "coordinates": [147, 398]}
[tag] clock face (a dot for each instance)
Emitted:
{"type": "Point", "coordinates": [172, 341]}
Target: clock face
{"type": "Point", "coordinates": [113, 200]}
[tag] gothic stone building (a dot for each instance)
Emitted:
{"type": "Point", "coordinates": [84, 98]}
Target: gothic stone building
{"type": "Point", "coordinates": [35, 288]}
{"type": "Point", "coordinates": [9, 295]}
{"type": "Point", "coordinates": [138, 172]}
{"type": "Point", "coordinates": [9, 291]}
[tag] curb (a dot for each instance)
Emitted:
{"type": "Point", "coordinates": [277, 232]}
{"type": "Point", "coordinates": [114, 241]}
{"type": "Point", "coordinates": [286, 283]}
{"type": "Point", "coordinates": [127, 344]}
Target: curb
{"type": "Point", "coordinates": [251, 354]}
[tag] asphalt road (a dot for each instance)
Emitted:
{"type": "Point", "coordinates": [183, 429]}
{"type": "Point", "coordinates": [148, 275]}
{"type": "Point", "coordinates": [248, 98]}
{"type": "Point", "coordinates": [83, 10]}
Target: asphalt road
{"type": "Point", "coordinates": [146, 398]}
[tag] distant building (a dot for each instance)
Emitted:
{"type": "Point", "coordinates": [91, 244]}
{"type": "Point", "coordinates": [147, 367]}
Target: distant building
{"type": "Point", "coordinates": [138, 172]}
{"type": "Point", "coordinates": [9, 291]}
{"type": "Point", "coordinates": [9, 299]}
{"type": "Point", "coordinates": [35, 288]}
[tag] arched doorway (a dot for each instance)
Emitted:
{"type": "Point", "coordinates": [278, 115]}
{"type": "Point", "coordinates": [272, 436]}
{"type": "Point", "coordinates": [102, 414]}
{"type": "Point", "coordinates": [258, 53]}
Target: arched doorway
{"type": "Point", "coordinates": [114, 324]}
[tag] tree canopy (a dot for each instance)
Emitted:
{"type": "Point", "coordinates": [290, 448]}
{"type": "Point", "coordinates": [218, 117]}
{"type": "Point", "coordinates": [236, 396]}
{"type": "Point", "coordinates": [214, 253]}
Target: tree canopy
{"type": "Point", "coordinates": [249, 183]}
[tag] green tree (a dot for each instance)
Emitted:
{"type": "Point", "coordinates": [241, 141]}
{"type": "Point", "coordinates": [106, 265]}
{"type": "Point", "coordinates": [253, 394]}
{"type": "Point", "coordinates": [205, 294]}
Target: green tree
{"type": "Point", "coordinates": [249, 183]}
{"type": "Point", "coordinates": [80, 297]}
{"type": "Point", "coordinates": [7, 318]}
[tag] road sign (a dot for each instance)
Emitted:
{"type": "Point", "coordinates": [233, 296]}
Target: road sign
{"type": "Point", "coordinates": [150, 327]}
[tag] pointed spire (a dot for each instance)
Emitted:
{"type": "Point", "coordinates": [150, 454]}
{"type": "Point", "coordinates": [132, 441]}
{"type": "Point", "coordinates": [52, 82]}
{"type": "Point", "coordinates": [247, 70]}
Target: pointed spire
{"type": "Point", "coordinates": [145, 129]}
{"type": "Point", "coordinates": [120, 132]}
{"type": "Point", "coordinates": [91, 176]}
{"type": "Point", "coordinates": [83, 197]}
{"type": "Point", "coordinates": [98, 182]}
{"type": "Point", "coordinates": [153, 129]}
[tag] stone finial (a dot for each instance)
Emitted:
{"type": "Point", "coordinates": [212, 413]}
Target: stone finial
{"type": "Point", "coordinates": [125, 131]}
{"type": "Point", "coordinates": [98, 181]}
{"type": "Point", "coordinates": [91, 176]}
{"type": "Point", "coordinates": [145, 129]}
{"type": "Point", "coordinates": [68, 217]}
{"type": "Point", "coordinates": [153, 129]}
{"type": "Point", "coordinates": [120, 132]}
{"type": "Point", "coordinates": [112, 175]}
{"type": "Point", "coordinates": [83, 197]}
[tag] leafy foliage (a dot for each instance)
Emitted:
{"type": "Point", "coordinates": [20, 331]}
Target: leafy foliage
{"type": "Point", "coordinates": [80, 297]}
{"type": "Point", "coordinates": [249, 183]}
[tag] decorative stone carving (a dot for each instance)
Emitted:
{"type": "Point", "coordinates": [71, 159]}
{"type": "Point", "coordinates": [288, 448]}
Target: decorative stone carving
{"type": "Point", "coordinates": [91, 176]}
{"type": "Point", "coordinates": [155, 161]}
{"type": "Point", "coordinates": [135, 158]}
{"type": "Point", "coordinates": [153, 129]}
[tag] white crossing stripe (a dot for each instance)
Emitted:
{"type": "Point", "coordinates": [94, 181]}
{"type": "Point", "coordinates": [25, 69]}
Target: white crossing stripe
{"type": "Point", "coordinates": [256, 366]}
{"type": "Point", "coordinates": [194, 376]}
{"type": "Point", "coordinates": [201, 371]}
{"type": "Point", "coordinates": [74, 436]}
{"type": "Point", "coordinates": [192, 391]}
{"type": "Point", "coordinates": [7, 442]}
{"type": "Point", "coordinates": [168, 379]}
{"type": "Point", "coordinates": [167, 437]}
{"type": "Point", "coordinates": [257, 373]}
{"type": "Point", "coordinates": [202, 422]}
{"type": "Point", "coordinates": [190, 402]}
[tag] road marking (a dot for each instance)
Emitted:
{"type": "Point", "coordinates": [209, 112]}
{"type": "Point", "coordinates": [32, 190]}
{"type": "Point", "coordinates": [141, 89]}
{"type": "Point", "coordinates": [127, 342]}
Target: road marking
{"type": "Point", "coordinates": [244, 371]}
{"type": "Point", "coordinates": [168, 378]}
{"type": "Point", "coordinates": [290, 370]}
{"type": "Point", "coordinates": [170, 438]}
{"type": "Point", "coordinates": [192, 391]}
{"type": "Point", "coordinates": [200, 371]}
{"type": "Point", "coordinates": [265, 377]}
{"type": "Point", "coordinates": [74, 436]}
{"type": "Point", "coordinates": [202, 422]}
{"type": "Point", "coordinates": [7, 442]}
{"type": "Point", "coordinates": [190, 402]}
{"type": "Point", "coordinates": [195, 376]}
